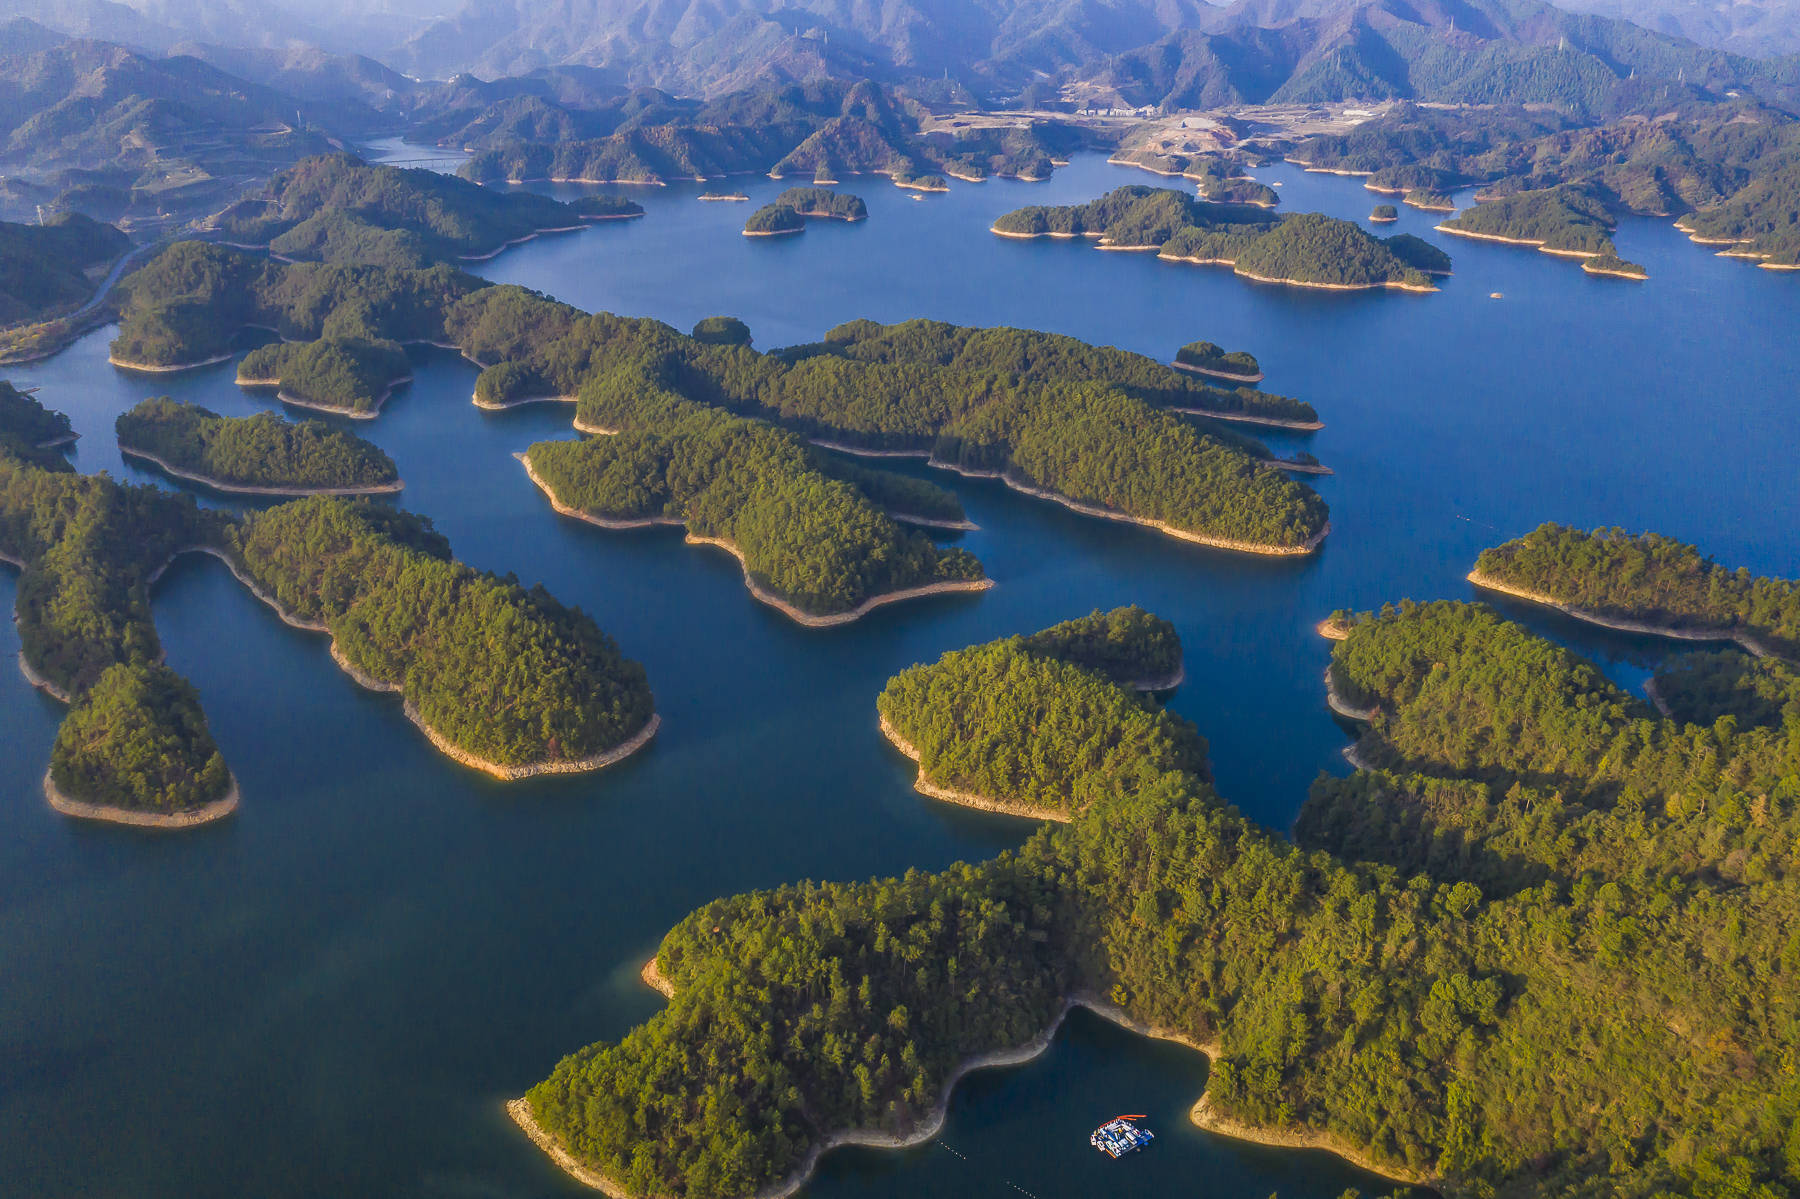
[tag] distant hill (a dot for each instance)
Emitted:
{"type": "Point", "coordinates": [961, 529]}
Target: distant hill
{"type": "Point", "coordinates": [715, 46]}
{"type": "Point", "coordinates": [1759, 28]}
{"type": "Point", "coordinates": [1456, 51]}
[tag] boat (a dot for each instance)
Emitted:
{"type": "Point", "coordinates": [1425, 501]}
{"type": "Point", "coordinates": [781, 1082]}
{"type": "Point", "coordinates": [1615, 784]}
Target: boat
{"type": "Point", "coordinates": [1119, 1136]}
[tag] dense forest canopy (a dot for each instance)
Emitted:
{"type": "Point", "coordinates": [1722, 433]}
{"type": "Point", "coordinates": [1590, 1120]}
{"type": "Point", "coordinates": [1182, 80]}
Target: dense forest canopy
{"type": "Point", "coordinates": [1650, 578]}
{"type": "Point", "coordinates": [1307, 248]}
{"type": "Point", "coordinates": [773, 219]}
{"type": "Point", "coordinates": [137, 740]}
{"type": "Point", "coordinates": [1005, 401]}
{"type": "Point", "coordinates": [1482, 935]}
{"type": "Point", "coordinates": [254, 451]}
{"type": "Point", "coordinates": [1207, 356]}
{"type": "Point", "coordinates": [31, 432]}
{"type": "Point", "coordinates": [337, 208]}
{"type": "Point", "coordinates": [500, 671]}
{"type": "Point", "coordinates": [823, 202]}
{"type": "Point", "coordinates": [814, 540]}
{"type": "Point", "coordinates": [1558, 218]}
{"type": "Point", "coordinates": [135, 737]}
{"type": "Point", "coordinates": [190, 301]}
{"type": "Point", "coordinates": [50, 268]}
{"type": "Point", "coordinates": [1731, 168]}
{"type": "Point", "coordinates": [354, 374]}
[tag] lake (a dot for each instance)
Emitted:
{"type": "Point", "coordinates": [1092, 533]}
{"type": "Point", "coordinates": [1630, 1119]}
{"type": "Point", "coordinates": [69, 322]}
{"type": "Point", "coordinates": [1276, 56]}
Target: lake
{"type": "Point", "coordinates": [333, 992]}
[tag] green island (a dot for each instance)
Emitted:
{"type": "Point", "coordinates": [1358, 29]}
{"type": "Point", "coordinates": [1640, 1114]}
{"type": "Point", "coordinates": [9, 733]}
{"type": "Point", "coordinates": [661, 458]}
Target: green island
{"type": "Point", "coordinates": [255, 455]}
{"type": "Point", "coordinates": [813, 546]}
{"type": "Point", "coordinates": [1023, 407]}
{"type": "Point", "coordinates": [351, 376]}
{"type": "Point", "coordinates": [1073, 685]}
{"type": "Point", "coordinates": [1728, 169]}
{"type": "Point", "coordinates": [920, 183]}
{"type": "Point", "coordinates": [1300, 249]}
{"type": "Point", "coordinates": [1645, 583]}
{"type": "Point", "coordinates": [1206, 358]}
{"type": "Point", "coordinates": [606, 208]}
{"type": "Point", "coordinates": [1429, 200]}
{"type": "Point", "coordinates": [1384, 214]}
{"type": "Point", "coordinates": [500, 677]}
{"type": "Point", "coordinates": [1608, 263]}
{"type": "Point", "coordinates": [46, 270]}
{"type": "Point", "coordinates": [773, 220]}
{"type": "Point", "coordinates": [1479, 931]}
{"type": "Point", "coordinates": [789, 212]}
{"type": "Point", "coordinates": [1558, 220]}
{"type": "Point", "coordinates": [134, 748]}
{"type": "Point", "coordinates": [186, 307]}
{"type": "Point", "coordinates": [337, 208]}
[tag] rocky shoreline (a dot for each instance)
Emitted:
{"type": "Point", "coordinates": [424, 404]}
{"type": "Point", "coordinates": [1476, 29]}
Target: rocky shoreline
{"type": "Point", "coordinates": [79, 809]}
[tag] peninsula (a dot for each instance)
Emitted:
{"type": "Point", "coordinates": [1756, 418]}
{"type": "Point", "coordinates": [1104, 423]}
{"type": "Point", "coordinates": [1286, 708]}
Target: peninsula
{"type": "Point", "coordinates": [1645, 583]}
{"type": "Point", "coordinates": [1150, 882]}
{"type": "Point", "coordinates": [789, 212]}
{"type": "Point", "coordinates": [1301, 249]}
{"type": "Point", "coordinates": [926, 388]}
{"type": "Point", "coordinates": [813, 546]}
{"type": "Point", "coordinates": [350, 377]}
{"type": "Point", "coordinates": [254, 455]}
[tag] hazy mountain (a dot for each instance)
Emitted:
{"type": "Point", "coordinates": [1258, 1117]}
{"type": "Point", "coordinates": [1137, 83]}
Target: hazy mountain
{"type": "Point", "coordinates": [720, 45]}
{"type": "Point", "coordinates": [86, 103]}
{"type": "Point", "coordinates": [1761, 28]}
{"type": "Point", "coordinates": [1462, 51]}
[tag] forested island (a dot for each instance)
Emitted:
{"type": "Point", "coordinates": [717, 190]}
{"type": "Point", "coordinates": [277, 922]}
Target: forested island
{"type": "Point", "coordinates": [351, 376]}
{"type": "Point", "coordinates": [1559, 220]}
{"type": "Point", "coordinates": [1206, 358]}
{"type": "Point", "coordinates": [1608, 263]}
{"type": "Point", "coordinates": [337, 208]}
{"type": "Point", "coordinates": [1483, 889]}
{"type": "Point", "coordinates": [255, 455]}
{"type": "Point", "coordinates": [134, 747]}
{"type": "Point", "coordinates": [1645, 583]}
{"type": "Point", "coordinates": [815, 547]}
{"type": "Point", "coordinates": [1384, 214]}
{"type": "Point", "coordinates": [341, 325]}
{"type": "Point", "coordinates": [606, 208]}
{"type": "Point", "coordinates": [789, 212]}
{"type": "Point", "coordinates": [1085, 427]}
{"type": "Point", "coordinates": [1302, 249]}
{"type": "Point", "coordinates": [959, 717]}
{"type": "Point", "coordinates": [1727, 169]}
{"type": "Point", "coordinates": [1217, 179]}
{"type": "Point", "coordinates": [500, 677]}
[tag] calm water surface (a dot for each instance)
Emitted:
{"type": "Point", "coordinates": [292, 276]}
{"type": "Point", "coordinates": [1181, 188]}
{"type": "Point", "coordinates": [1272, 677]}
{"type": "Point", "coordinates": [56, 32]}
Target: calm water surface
{"type": "Point", "coordinates": [332, 992]}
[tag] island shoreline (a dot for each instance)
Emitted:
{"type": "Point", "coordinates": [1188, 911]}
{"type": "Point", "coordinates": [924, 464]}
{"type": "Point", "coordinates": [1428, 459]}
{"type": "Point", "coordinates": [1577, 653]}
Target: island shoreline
{"type": "Point", "coordinates": [1619, 624]}
{"type": "Point", "coordinates": [1310, 545]}
{"type": "Point", "coordinates": [249, 489]}
{"type": "Point", "coordinates": [757, 590]}
{"type": "Point", "coordinates": [80, 809]}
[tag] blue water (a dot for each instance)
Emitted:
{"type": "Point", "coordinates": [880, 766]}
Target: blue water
{"type": "Point", "coordinates": [332, 992]}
